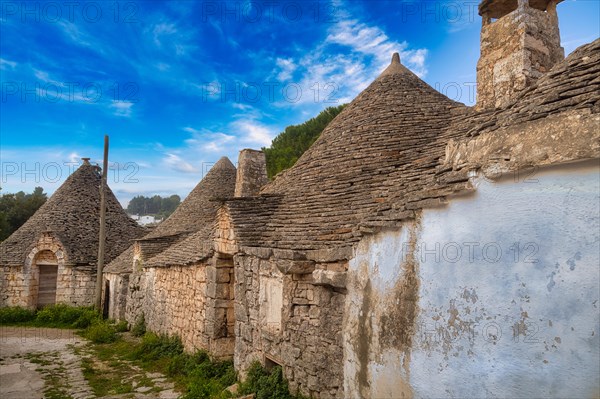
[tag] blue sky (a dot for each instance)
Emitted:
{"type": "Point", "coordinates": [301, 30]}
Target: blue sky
{"type": "Point", "coordinates": [176, 85]}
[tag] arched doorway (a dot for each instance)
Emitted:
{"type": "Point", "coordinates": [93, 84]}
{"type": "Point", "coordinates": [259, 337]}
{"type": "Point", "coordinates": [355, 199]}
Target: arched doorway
{"type": "Point", "coordinates": [47, 265]}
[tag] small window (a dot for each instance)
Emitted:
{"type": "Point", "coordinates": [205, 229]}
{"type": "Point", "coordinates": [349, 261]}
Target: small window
{"type": "Point", "coordinates": [270, 364]}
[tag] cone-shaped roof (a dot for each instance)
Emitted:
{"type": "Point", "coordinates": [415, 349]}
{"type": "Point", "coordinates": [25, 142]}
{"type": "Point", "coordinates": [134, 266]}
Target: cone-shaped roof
{"type": "Point", "coordinates": [382, 127]}
{"type": "Point", "coordinates": [371, 153]}
{"type": "Point", "coordinates": [72, 214]}
{"type": "Point", "coordinates": [198, 210]}
{"type": "Point", "coordinates": [195, 215]}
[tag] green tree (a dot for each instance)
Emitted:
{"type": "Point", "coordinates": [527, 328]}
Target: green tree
{"type": "Point", "coordinates": [290, 144]}
{"type": "Point", "coordinates": [16, 209]}
{"type": "Point", "coordinates": [155, 205]}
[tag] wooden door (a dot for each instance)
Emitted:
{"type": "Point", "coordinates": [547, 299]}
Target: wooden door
{"type": "Point", "coordinates": [47, 287]}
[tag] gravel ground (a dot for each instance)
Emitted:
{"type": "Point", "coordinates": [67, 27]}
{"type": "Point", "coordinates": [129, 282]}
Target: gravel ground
{"type": "Point", "coordinates": [40, 362]}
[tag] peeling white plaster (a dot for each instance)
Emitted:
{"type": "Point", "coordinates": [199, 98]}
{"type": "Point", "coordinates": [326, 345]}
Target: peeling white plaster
{"type": "Point", "coordinates": [508, 297]}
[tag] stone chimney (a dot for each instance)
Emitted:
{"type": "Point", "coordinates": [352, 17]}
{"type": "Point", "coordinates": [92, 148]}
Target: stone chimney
{"type": "Point", "coordinates": [251, 173]}
{"type": "Point", "coordinates": [520, 42]}
{"type": "Point", "coordinates": [86, 161]}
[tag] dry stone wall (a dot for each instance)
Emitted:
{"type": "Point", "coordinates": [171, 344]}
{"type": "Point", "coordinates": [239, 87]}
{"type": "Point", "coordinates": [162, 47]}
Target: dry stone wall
{"type": "Point", "coordinates": [192, 302]}
{"type": "Point", "coordinates": [13, 286]}
{"type": "Point", "coordinates": [172, 302]}
{"type": "Point", "coordinates": [75, 284]}
{"type": "Point", "coordinates": [306, 342]}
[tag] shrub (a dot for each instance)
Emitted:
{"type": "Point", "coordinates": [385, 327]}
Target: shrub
{"type": "Point", "coordinates": [87, 317]}
{"type": "Point", "coordinates": [265, 384]}
{"type": "Point", "coordinates": [207, 378]}
{"type": "Point", "coordinates": [62, 315]}
{"type": "Point", "coordinates": [100, 332]}
{"type": "Point", "coordinates": [16, 315]}
{"type": "Point", "coordinates": [121, 326]}
{"type": "Point", "coordinates": [139, 328]}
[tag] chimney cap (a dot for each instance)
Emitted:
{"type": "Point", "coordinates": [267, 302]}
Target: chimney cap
{"type": "Point", "coordinates": [86, 161]}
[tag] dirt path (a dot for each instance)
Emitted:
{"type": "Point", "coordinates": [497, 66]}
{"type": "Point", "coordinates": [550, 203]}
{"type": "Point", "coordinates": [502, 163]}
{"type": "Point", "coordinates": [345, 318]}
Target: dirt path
{"type": "Point", "coordinates": [47, 363]}
{"type": "Point", "coordinates": [40, 361]}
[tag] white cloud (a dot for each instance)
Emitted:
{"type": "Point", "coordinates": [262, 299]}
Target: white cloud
{"type": "Point", "coordinates": [6, 64]}
{"type": "Point", "coordinates": [240, 106]}
{"type": "Point", "coordinates": [372, 41]}
{"type": "Point", "coordinates": [78, 37]}
{"type": "Point", "coordinates": [329, 77]}
{"type": "Point", "coordinates": [286, 68]}
{"type": "Point", "coordinates": [205, 140]}
{"type": "Point", "coordinates": [121, 108]}
{"type": "Point", "coordinates": [253, 132]}
{"type": "Point", "coordinates": [175, 162]}
{"type": "Point", "coordinates": [162, 30]}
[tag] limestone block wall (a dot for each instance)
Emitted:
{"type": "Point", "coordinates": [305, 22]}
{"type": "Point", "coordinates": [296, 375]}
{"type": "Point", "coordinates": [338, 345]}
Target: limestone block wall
{"type": "Point", "coordinates": [172, 302]}
{"type": "Point", "coordinates": [192, 302]}
{"type": "Point", "coordinates": [12, 283]}
{"type": "Point", "coordinates": [288, 320]}
{"type": "Point", "coordinates": [515, 51]}
{"type": "Point", "coordinates": [76, 285]}
{"type": "Point", "coordinates": [497, 293]}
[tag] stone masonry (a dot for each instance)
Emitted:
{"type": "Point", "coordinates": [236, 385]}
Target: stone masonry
{"type": "Point", "coordinates": [516, 50]}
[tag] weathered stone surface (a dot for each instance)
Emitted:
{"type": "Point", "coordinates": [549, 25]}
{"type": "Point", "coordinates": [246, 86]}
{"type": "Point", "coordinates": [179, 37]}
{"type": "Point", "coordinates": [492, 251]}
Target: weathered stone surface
{"type": "Point", "coordinates": [251, 173]}
{"type": "Point", "coordinates": [287, 266]}
{"type": "Point", "coordinates": [516, 50]}
{"type": "Point", "coordinates": [330, 278]}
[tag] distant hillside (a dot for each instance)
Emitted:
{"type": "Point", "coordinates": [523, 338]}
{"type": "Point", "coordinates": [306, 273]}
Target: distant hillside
{"type": "Point", "coordinates": [290, 144]}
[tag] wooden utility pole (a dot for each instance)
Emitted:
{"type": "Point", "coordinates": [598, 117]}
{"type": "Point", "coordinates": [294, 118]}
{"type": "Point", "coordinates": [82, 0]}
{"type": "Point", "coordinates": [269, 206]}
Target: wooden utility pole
{"type": "Point", "coordinates": [102, 228]}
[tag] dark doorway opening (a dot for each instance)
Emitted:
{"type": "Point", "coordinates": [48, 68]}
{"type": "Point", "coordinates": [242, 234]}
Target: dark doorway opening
{"type": "Point", "coordinates": [106, 303]}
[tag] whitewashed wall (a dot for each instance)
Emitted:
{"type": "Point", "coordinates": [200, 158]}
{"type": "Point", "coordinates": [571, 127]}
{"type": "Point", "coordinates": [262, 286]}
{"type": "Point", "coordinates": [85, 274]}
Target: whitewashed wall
{"type": "Point", "coordinates": [506, 288]}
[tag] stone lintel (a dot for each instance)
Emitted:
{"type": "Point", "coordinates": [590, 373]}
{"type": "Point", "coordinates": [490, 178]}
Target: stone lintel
{"type": "Point", "coordinates": [329, 278]}
{"type": "Point", "coordinates": [287, 266]}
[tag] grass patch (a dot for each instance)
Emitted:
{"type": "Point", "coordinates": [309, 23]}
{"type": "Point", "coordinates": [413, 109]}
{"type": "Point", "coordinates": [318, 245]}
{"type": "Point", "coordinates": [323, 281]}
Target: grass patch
{"type": "Point", "coordinates": [197, 375]}
{"type": "Point", "coordinates": [53, 372]}
{"type": "Point", "coordinates": [55, 316]}
{"type": "Point", "coordinates": [105, 382]}
{"type": "Point", "coordinates": [121, 326]}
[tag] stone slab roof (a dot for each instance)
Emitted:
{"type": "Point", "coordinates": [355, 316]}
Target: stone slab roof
{"type": "Point", "coordinates": [379, 148]}
{"type": "Point", "coordinates": [72, 214]}
{"type": "Point", "coordinates": [194, 217]}
{"type": "Point", "coordinates": [191, 250]}
{"type": "Point", "coordinates": [382, 158]}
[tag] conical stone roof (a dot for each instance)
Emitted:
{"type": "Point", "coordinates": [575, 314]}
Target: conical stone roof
{"type": "Point", "coordinates": [195, 217]}
{"type": "Point", "coordinates": [379, 149]}
{"type": "Point", "coordinates": [198, 210]}
{"type": "Point", "coordinates": [72, 214]}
